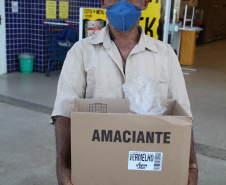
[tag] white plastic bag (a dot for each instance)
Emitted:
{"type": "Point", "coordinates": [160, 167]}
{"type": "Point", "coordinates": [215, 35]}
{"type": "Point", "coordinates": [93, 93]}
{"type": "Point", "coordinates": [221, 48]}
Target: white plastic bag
{"type": "Point", "coordinates": [144, 96]}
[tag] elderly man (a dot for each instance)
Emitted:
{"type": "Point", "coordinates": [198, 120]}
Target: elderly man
{"type": "Point", "coordinates": [98, 66]}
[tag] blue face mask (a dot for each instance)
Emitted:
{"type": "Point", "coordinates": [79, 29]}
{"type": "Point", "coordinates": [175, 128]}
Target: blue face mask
{"type": "Point", "coordinates": [123, 15]}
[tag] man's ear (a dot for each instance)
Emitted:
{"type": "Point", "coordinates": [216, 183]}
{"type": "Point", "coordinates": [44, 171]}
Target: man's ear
{"type": "Point", "coordinates": [103, 3]}
{"type": "Point", "coordinates": [145, 4]}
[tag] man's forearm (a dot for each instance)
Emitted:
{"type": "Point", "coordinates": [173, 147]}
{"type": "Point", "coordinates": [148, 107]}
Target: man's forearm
{"type": "Point", "coordinates": [192, 150]}
{"type": "Point", "coordinates": [63, 143]}
{"type": "Point", "coordinates": [193, 173]}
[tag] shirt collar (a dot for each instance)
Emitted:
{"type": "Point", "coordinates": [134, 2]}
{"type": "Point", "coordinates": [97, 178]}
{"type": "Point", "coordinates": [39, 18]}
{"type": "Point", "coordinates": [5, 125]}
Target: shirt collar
{"type": "Point", "coordinates": [104, 37]}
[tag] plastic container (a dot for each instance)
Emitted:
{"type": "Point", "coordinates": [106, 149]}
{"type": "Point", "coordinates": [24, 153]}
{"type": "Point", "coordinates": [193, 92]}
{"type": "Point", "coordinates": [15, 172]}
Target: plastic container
{"type": "Point", "coordinates": [26, 61]}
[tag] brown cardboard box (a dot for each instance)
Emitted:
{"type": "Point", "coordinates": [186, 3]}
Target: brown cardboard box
{"type": "Point", "coordinates": [210, 25]}
{"type": "Point", "coordinates": [214, 3]}
{"type": "Point", "coordinates": [129, 149]}
{"type": "Point", "coordinates": [189, 2]}
{"type": "Point", "coordinates": [212, 12]}
{"type": "Point", "coordinates": [215, 13]}
{"type": "Point", "coordinates": [214, 24]}
{"type": "Point", "coordinates": [210, 36]}
{"type": "Point", "coordinates": [184, 3]}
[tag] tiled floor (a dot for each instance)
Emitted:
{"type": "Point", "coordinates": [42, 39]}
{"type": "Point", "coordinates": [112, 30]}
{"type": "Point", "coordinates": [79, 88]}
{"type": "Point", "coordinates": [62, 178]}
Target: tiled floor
{"type": "Point", "coordinates": [35, 87]}
{"type": "Point", "coordinates": [207, 92]}
{"type": "Point", "coordinates": [28, 149]}
{"type": "Point", "coordinates": [211, 170]}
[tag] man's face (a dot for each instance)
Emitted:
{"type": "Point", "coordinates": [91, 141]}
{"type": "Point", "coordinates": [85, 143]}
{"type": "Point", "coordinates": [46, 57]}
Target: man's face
{"type": "Point", "coordinates": [138, 3]}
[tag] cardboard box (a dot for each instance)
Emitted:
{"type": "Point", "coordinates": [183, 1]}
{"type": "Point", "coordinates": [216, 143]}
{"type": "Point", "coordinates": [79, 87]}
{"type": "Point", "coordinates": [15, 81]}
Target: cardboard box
{"type": "Point", "coordinates": [117, 148]}
{"type": "Point", "coordinates": [209, 36]}
{"type": "Point", "coordinates": [213, 3]}
{"type": "Point", "coordinates": [189, 2]}
{"type": "Point", "coordinates": [215, 13]}
{"type": "Point", "coordinates": [184, 3]}
{"type": "Point", "coordinates": [216, 3]}
{"type": "Point", "coordinates": [214, 24]}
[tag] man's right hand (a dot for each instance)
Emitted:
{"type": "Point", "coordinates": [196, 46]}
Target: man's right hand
{"type": "Point", "coordinates": [64, 176]}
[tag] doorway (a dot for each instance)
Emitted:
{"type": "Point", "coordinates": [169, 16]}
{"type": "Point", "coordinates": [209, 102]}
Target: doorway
{"type": "Point", "coordinates": [3, 61]}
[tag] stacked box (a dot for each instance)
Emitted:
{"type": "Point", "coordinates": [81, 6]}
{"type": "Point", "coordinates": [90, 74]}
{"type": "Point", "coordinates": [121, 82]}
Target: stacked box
{"type": "Point", "coordinates": [184, 3]}
{"type": "Point", "coordinates": [214, 19]}
{"type": "Point", "coordinates": [190, 2]}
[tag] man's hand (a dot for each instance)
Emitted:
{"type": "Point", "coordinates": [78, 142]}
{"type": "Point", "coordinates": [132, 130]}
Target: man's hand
{"type": "Point", "coordinates": [193, 177]}
{"type": "Point", "coordinates": [63, 143]}
{"type": "Point", "coordinates": [193, 173]}
{"type": "Point", "coordinates": [64, 176]}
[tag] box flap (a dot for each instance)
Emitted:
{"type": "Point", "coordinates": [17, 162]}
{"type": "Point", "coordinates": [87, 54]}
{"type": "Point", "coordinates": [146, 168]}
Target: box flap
{"type": "Point", "coordinates": [179, 110]}
{"type": "Point", "coordinates": [169, 104]}
{"type": "Point", "coordinates": [122, 106]}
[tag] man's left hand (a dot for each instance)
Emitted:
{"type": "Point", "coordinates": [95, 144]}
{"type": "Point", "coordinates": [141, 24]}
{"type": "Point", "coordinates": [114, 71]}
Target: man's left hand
{"type": "Point", "coordinates": [193, 177]}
